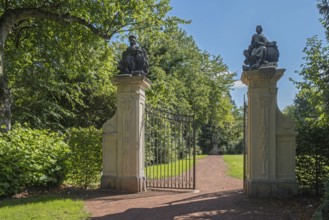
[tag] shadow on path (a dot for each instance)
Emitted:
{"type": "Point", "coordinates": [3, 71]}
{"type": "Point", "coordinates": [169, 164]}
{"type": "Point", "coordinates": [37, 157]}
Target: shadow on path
{"type": "Point", "coordinates": [220, 197]}
{"type": "Point", "coordinates": [221, 205]}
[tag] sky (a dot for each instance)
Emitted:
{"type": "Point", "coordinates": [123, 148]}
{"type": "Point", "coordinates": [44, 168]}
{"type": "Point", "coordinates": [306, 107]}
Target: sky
{"type": "Point", "coordinates": [225, 27]}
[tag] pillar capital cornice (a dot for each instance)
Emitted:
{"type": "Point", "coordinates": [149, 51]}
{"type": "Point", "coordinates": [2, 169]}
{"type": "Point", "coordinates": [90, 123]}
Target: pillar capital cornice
{"type": "Point", "coordinates": [128, 79]}
{"type": "Point", "coordinates": [261, 75]}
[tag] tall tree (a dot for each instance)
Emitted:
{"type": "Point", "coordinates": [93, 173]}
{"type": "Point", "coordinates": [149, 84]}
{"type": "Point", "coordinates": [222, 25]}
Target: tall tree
{"type": "Point", "coordinates": [60, 77]}
{"type": "Point", "coordinates": [103, 18]}
{"type": "Point", "coordinates": [311, 110]}
{"type": "Point", "coordinates": [189, 81]}
{"type": "Point", "coordinates": [323, 6]}
{"type": "Point", "coordinates": [315, 85]}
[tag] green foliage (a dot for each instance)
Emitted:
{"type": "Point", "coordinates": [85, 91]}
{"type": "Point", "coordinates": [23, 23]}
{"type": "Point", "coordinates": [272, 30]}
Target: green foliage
{"type": "Point", "coordinates": [108, 17]}
{"type": "Point", "coordinates": [43, 207]}
{"type": "Point", "coordinates": [206, 138]}
{"type": "Point", "coordinates": [198, 150]}
{"type": "Point", "coordinates": [169, 136]}
{"type": "Point", "coordinates": [85, 164]}
{"type": "Point", "coordinates": [186, 80]}
{"type": "Point", "coordinates": [235, 147]}
{"type": "Point", "coordinates": [311, 172]}
{"type": "Point", "coordinates": [171, 169]}
{"type": "Point", "coordinates": [313, 98]}
{"type": "Point", "coordinates": [31, 158]}
{"type": "Point", "coordinates": [325, 209]}
{"type": "Point", "coordinates": [323, 6]}
{"type": "Point", "coordinates": [310, 112]}
{"type": "Point", "coordinates": [227, 137]}
{"type": "Point", "coordinates": [235, 165]}
{"type": "Point", "coordinates": [58, 57]}
{"type": "Point", "coordinates": [312, 150]}
{"type": "Point", "coordinates": [60, 77]}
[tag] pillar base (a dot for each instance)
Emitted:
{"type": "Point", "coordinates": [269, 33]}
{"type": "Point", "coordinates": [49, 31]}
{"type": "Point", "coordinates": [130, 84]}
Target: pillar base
{"type": "Point", "coordinates": [124, 184]}
{"type": "Point", "coordinates": [108, 182]}
{"type": "Point", "coordinates": [266, 188]}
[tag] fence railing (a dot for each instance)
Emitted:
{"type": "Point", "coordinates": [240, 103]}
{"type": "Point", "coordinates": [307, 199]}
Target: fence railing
{"type": "Point", "coordinates": [169, 150]}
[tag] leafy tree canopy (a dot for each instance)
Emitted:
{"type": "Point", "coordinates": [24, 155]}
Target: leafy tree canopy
{"type": "Point", "coordinates": [57, 65]}
{"type": "Point", "coordinates": [313, 98]}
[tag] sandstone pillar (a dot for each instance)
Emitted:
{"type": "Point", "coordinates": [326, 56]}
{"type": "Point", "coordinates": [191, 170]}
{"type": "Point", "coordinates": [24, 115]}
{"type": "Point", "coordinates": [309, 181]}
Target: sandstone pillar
{"type": "Point", "coordinates": [123, 137]}
{"type": "Point", "coordinates": [270, 161]}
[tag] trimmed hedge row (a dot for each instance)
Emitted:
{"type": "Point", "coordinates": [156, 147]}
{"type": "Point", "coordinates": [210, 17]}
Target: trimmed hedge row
{"type": "Point", "coordinates": [85, 164]}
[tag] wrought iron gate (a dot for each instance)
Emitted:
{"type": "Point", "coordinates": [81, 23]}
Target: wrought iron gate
{"type": "Point", "coordinates": [169, 150]}
{"type": "Point", "coordinates": [245, 141]}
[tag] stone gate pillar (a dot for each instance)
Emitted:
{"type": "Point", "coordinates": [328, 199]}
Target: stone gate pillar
{"type": "Point", "coordinates": [123, 137]}
{"type": "Point", "coordinates": [270, 162]}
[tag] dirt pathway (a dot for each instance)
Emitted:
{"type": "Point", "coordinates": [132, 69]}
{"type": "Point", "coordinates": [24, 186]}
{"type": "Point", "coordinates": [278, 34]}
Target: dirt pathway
{"type": "Point", "coordinates": [219, 197]}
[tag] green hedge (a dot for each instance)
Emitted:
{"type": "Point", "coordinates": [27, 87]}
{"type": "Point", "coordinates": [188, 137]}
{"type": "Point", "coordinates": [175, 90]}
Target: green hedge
{"type": "Point", "coordinates": [312, 161]}
{"type": "Point", "coordinates": [325, 209]}
{"type": "Point", "coordinates": [311, 172]}
{"type": "Point", "coordinates": [85, 164]}
{"type": "Point", "coordinates": [31, 158]}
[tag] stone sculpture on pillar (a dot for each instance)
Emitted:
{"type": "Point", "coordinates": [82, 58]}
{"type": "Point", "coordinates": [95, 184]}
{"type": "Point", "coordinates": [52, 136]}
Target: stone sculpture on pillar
{"type": "Point", "coordinates": [270, 159]}
{"type": "Point", "coordinates": [123, 134]}
{"type": "Point", "coordinates": [260, 52]}
{"type": "Point", "coordinates": [134, 59]}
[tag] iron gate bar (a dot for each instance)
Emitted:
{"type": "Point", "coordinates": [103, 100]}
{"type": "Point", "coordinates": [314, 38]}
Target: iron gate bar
{"type": "Point", "coordinates": [244, 141]}
{"type": "Point", "coordinates": [170, 149]}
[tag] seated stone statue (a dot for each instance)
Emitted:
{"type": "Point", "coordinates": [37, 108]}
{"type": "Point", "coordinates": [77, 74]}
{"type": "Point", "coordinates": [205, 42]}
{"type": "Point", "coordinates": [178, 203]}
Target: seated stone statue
{"type": "Point", "coordinates": [260, 52]}
{"type": "Point", "coordinates": [134, 59]}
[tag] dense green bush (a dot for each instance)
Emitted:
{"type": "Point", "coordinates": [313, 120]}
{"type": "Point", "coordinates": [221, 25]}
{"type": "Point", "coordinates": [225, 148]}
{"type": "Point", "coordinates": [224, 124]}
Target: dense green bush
{"type": "Point", "coordinates": [312, 161]}
{"type": "Point", "coordinates": [85, 164]}
{"type": "Point", "coordinates": [31, 158]}
{"type": "Point", "coordinates": [163, 143]}
{"type": "Point", "coordinates": [325, 209]}
{"type": "Point", "coordinates": [234, 147]}
{"type": "Point", "coordinates": [311, 172]}
{"type": "Point", "coordinates": [198, 150]}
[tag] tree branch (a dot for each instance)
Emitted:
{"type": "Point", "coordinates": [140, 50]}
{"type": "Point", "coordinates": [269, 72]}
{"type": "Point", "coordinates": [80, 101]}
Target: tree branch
{"type": "Point", "coordinates": [14, 16]}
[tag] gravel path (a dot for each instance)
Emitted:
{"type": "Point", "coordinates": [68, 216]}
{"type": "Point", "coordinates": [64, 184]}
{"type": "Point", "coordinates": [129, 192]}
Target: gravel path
{"type": "Point", "coordinates": [219, 197]}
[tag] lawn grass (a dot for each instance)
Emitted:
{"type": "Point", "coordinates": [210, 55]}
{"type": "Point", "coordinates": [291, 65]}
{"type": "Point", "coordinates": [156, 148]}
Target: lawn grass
{"type": "Point", "coordinates": [170, 169]}
{"type": "Point", "coordinates": [43, 207]}
{"type": "Point", "coordinates": [234, 164]}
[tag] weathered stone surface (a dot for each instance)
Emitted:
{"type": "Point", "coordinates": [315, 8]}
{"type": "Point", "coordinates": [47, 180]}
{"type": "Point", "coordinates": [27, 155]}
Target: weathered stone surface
{"type": "Point", "coordinates": [270, 161]}
{"type": "Point", "coordinates": [123, 137]}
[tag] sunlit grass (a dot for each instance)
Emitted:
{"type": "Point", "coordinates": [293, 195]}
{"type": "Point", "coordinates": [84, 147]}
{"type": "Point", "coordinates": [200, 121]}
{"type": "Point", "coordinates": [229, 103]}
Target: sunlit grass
{"type": "Point", "coordinates": [172, 169]}
{"type": "Point", "coordinates": [42, 207]}
{"type": "Point", "coordinates": [234, 164]}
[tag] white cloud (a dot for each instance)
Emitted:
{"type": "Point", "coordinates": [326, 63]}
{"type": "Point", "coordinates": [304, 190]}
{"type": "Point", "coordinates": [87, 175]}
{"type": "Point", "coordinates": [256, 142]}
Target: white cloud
{"type": "Point", "coordinates": [238, 84]}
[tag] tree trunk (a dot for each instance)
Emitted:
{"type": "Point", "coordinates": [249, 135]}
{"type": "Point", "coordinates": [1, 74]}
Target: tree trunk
{"type": "Point", "coordinates": [5, 102]}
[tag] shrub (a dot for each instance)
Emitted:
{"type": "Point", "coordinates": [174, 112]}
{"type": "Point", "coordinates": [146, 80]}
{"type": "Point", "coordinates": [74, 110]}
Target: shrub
{"type": "Point", "coordinates": [198, 150]}
{"type": "Point", "coordinates": [85, 164]}
{"type": "Point", "coordinates": [31, 158]}
{"type": "Point", "coordinates": [325, 209]}
{"type": "Point", "coordinates": [234, 147]}
{"type": "Point", "coordinates": [312, 161]}
{"type": "Point", "coordinates": [311, 172]}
